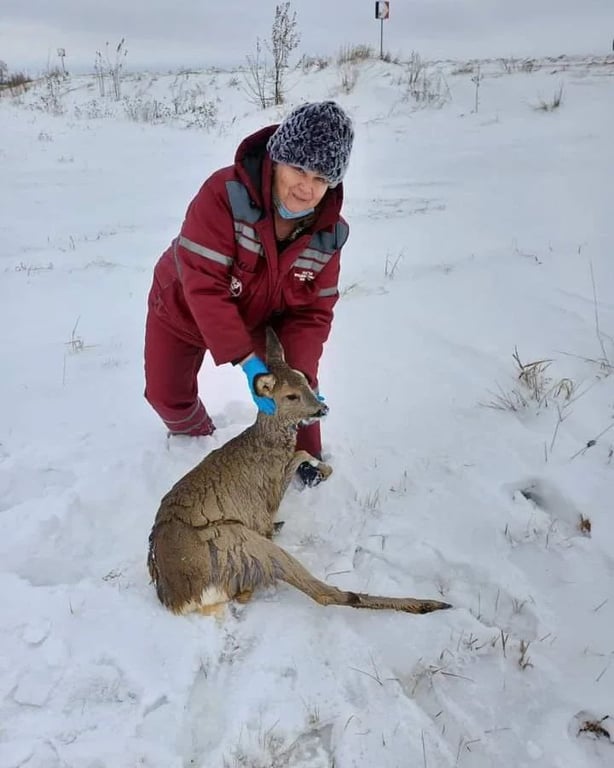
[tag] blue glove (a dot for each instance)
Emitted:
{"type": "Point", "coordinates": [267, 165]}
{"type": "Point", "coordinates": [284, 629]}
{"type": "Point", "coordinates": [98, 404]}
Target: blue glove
{"type": "Point", "coordinates": [252, 368]}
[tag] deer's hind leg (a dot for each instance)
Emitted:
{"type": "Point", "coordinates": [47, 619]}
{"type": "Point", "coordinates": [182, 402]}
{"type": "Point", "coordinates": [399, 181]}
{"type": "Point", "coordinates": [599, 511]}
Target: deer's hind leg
{"type": "Point", "coordinates": [216, 610]}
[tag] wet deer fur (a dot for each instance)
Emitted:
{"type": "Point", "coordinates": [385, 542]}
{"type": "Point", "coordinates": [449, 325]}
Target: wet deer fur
{"type": "Point", "coordinates": [211, 539]}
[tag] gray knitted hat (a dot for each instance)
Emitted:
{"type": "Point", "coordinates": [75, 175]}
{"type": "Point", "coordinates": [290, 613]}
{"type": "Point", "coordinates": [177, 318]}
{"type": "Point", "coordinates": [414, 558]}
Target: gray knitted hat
{"type": "Point", "coordinates": [317, 137]}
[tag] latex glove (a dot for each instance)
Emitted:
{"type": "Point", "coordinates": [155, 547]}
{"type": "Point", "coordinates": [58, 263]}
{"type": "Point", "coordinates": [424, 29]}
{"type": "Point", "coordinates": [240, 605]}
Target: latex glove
{"type": "Point", "coordinates": [252, 368]}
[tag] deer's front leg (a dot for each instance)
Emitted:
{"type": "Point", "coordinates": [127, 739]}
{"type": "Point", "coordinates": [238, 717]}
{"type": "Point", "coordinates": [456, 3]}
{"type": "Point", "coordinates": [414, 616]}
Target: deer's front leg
{"type": "Point", "coordinates": [301, 456]}
{"type": "Point", "coordinates": [291, 467]}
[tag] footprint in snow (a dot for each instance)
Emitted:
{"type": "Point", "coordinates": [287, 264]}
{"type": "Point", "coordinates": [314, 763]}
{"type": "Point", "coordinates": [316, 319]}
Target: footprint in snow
{"type": "Point", "coordinates": [551, 510]}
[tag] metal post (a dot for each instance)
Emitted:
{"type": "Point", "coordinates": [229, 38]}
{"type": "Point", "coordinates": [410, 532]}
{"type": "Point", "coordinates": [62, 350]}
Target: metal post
{"type": "Point", "coordinates": [382, 12]}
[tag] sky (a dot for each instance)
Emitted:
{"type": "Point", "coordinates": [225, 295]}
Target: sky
{"type": "Point", "coordinates": [476, 236]}
{"type": "Point", "coordinates": [188, 33]}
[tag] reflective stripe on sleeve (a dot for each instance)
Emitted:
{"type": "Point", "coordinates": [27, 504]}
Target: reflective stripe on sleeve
{"type": "Point", "coordinates": [314, 266]}
{"type": "Point", "coordinates": [207, 253]}
{"type": "Point", "coordinates": [328, 292]}
{"type": "Point", "coordinates": [311, 253]}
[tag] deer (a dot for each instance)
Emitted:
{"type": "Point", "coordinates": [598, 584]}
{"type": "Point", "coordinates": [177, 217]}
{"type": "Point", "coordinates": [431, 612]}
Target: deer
{"type": "Point", "coordinates": [212, 539]}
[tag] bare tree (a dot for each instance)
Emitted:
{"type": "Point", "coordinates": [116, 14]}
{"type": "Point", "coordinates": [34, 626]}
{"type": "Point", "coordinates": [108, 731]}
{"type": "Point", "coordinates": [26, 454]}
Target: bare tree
{"type": "Point", "coordinates": [257, 77]}
{"type": "Point", "coordinates": [265, 79]}
{"type": "Point", "coordinates": [284, 39]}
{"type": "Point", "coordinates": [4, 70]}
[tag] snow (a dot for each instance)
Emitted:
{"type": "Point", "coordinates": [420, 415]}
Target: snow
{"type": "Point", "coordinates": [473, 234]}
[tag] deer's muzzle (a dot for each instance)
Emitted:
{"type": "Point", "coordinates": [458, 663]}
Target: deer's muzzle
{"type": "Point", "coordinates": [322, 412]}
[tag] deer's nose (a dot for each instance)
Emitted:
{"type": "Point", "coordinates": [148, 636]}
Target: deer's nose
{"type": "Point", "coordinates": [323, 411]}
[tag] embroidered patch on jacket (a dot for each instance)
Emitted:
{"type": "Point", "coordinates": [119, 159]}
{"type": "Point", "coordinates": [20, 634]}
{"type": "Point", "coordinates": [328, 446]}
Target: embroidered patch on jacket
{"type": "Point", "coordinates": [305, 275]}
{"type": "Point", "coordinates": [236, 286]}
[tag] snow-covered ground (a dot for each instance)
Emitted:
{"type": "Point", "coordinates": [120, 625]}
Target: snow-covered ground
{"type": "Point", "coordinates": [476, 235]}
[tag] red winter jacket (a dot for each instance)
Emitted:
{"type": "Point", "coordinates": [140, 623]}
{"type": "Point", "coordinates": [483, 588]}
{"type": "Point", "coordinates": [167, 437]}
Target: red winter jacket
{"type": "Point", "coordinates": [223, 280]}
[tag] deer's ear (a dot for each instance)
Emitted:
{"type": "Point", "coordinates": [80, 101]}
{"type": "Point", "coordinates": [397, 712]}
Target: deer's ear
{"type": "Point", "coordinates": [274, 350]}
{"type": "Point", "coordinates": [264, 385]}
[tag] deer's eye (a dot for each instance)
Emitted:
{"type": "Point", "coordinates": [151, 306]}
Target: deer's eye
{"type": "Point", "coordinates": [291, 397]}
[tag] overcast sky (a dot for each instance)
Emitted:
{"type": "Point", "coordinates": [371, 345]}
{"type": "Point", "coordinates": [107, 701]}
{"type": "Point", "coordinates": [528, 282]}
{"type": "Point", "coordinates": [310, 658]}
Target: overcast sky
{"type": "Point", "coordinates": [200, 32]}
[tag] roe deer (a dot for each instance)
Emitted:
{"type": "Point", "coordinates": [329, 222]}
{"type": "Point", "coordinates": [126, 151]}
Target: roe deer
{"type": "Point", "coordinates": [211, 539]}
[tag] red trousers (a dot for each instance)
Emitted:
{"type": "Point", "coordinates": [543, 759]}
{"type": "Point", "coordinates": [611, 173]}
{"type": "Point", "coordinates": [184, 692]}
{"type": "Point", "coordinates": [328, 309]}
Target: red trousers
{"type": "Point", "coordinates": [171, 368]}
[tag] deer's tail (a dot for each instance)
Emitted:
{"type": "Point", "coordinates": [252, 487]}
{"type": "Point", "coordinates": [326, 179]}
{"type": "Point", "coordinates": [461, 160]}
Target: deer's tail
{"type": "Point", "coordinates": [286, 568]}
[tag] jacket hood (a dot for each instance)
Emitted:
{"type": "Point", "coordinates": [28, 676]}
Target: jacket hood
{"type": "Point", "coordinates": [254, 167]}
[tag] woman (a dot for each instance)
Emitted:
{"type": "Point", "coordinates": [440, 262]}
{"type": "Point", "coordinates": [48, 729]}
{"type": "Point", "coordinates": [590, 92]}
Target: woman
{"type": "Point", "coordinates": [260, 245]}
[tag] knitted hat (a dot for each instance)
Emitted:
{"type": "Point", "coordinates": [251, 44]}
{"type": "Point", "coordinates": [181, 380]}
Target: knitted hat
{"type": "Point", "coordinates": [316, 137]}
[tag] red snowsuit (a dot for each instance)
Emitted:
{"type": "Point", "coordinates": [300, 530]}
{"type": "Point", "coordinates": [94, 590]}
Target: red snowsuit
{"type": "Point", "coordinates": [224, 278]}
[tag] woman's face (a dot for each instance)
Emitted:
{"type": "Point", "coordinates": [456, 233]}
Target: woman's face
{"type": "Point", "coordinates": [297, 189]}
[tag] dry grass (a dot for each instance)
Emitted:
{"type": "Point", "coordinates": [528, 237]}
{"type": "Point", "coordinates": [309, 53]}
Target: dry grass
{"type": "Point", "coordinates": [535, 387]}
{"type": "Point", "coordinates": [555, 102]}
{"type": "Point", "coordinates": [317, 63]}
{"type": "Point", "coordinates": [348, 74]}
{"type": "Point", "coordinates": [524, 661]}
{"type": "Point", "coordinates": [584, 525]}
{"type": "Point", "coordinates": [353, 54]}
{"type": "Point", "coordinates": [595, 728]}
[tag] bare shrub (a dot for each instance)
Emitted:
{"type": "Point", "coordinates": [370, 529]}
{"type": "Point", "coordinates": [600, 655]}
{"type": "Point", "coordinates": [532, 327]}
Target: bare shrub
{"type": "Point", "coordinates": [92, 110]}
{"type": "Point", "coordinates": [202, 115]}
{"type": "Point", "coordinates": [183, 95]}
{"type": "Point", "coordinates": [142, 110]}
{"type": "Point", "coordinates": [192, 109]}
{"type": "Point", "coordinates": [428, 89]}
{"type": "Point", "coordinates": [51, 99]}
{"type": "Point", "coordinates": [257, 78]}
{"type": "Point", "coordinates": [414, 69]}
{"type": "Point", "coordinates": [508, 65]}
{"type": "Point", "coordinates": [432, 90]}
{"type": "Point", "coordinates": [424, 85]}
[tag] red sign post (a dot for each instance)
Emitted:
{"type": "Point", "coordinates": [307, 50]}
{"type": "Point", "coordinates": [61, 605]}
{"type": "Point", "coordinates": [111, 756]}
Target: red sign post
{"type": "Point", "coordinates": [382, 11]}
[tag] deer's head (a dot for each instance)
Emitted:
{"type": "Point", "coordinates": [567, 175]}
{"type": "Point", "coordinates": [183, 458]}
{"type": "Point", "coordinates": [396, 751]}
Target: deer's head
{"type": "Point", "coordinates": [295, 400]}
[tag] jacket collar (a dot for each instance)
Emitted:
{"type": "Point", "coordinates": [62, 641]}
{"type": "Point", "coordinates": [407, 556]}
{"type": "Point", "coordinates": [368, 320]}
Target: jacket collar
{"type": "Point", "coordinates": [255, 169]}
